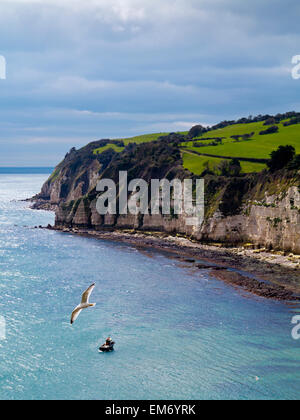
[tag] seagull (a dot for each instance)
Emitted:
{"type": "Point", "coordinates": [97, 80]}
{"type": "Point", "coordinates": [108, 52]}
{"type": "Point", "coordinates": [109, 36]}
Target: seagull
{"type": "Point", "coordinates": [84, 303]}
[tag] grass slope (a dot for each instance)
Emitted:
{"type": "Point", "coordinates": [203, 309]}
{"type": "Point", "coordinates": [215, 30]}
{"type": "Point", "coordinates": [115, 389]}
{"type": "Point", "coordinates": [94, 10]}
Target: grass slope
{"type": "Point", "coordinates": [143, 138]}
{"type": "Point", "coordinates": [108, 146]}
{"type": "Point", "coordinates": [260, 146]}
{"type": "Point", "coordinates": [196, 163]}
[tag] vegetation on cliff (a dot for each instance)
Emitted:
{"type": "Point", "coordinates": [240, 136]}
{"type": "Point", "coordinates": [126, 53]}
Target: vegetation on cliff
{"type": "Point", "coordinates": [235, 183]}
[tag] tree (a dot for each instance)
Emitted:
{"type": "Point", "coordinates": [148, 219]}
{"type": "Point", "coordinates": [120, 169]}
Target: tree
{"type": "Point", "coordinates": [235, 167]}
{"type": "Point", "coordinates": [281, 157]}
{"type": "Point", "coordinates": [295, 163]}
{"type": "Point", "coordinates": [236, 137]}
{"type": "Point", "coordinates": [230, 167]}
{"type": "Point", "coordinates": [248, 136]}
{"type": "Point", "coordinates": [271, 130]}
{"type": "Point", "coordinates": [196, 131]}
{"type": "Point", "coordinates": [224, 167]}
{"type": "Point", "coordinates": [270, 121]}
{"type": "Point", "coordinates": [207, 169]}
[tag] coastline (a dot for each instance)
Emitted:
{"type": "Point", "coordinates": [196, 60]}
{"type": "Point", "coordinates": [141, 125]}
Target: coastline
{"type": "Point", "coordinates": [270, 275]}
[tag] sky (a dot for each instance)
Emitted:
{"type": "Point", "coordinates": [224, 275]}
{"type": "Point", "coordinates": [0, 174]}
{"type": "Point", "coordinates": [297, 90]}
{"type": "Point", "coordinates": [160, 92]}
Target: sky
{"type": "Point", "coordinates": [79, 71]}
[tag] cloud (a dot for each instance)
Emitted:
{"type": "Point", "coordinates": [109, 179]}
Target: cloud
{"type": "Point", "coordinates": [85, 70]}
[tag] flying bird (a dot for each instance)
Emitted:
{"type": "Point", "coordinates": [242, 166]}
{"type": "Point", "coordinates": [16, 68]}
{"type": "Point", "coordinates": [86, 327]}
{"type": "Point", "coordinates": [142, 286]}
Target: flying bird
{"type": "Point", "coordinates": [84, 303]}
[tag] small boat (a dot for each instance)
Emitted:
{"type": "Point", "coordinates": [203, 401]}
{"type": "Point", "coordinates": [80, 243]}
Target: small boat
{"type": "Point", "coordinates": [107, 347]}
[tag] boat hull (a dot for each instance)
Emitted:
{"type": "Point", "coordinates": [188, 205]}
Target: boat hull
{"type": "Point", "coordinates": [106, 349]}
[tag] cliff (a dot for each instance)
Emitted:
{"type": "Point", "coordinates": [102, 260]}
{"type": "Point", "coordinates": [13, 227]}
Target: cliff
{"type": "Point", "coordinates": [76, 175]}
{"type": "Point", "coordinates": [262, 209]}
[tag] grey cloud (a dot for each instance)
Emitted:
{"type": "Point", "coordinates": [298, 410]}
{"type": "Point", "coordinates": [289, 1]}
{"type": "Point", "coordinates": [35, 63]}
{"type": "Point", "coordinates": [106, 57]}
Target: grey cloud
{"type": "Point", "coordinates": [126, 66]}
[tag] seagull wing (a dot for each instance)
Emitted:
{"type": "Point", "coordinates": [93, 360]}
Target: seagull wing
{"type": "Point", "coordinates": [86, 295]}
{"type": "Point", "coordinates": [75, 314]}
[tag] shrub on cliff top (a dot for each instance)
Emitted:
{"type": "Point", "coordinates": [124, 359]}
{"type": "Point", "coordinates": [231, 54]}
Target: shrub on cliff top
{"type": "Point", "coordinates": [295, 163]}
{"type": "Point", "coordinates": [271, 130]}
{"type": "Point", "coordinates": [196, 131]}
{"type": "Point", "coordinates": [281, 157]}
{"type": "Point", "coordinates": [230, 167]}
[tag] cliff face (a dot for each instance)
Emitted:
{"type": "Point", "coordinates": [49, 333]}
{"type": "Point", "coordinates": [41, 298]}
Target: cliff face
{"type": "Point", "coordinates": [76, 175]}
{"type": "Point", "coordinates": [273, 222]}
{"type": "Point", "coordinates": [263, 209]}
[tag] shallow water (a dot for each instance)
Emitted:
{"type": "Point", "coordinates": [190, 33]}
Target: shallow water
{"type": "Point", "coordinates": [180, 333]}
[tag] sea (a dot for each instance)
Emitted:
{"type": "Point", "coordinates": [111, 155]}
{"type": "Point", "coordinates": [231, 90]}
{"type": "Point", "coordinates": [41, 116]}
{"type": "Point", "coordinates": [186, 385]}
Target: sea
{"type": "Point", "coordinates": [180, 333]}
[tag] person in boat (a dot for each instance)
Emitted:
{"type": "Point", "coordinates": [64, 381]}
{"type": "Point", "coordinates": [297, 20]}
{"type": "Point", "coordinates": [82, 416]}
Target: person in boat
{"type": "Point", "coordinates": [108, 345]}
{"type": "Point", "coordinates": [109, 341]}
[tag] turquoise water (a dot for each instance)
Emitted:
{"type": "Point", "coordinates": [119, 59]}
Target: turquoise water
{"type": "Point", "coordinates": [180, 333]}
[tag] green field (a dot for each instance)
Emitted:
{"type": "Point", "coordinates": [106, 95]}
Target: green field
{"type": "Point", "coordinates": [108, 146]}
{"type": "Point", "coordinates": [196, 163]}
{"type": "Point", "coordinates": [259, 146]}
{"type": "Point", "coordinates": [143, 138]}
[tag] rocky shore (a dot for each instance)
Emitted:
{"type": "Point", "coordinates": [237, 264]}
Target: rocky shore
{"type": "Point", "coordinates": [42, 205]}
{"type": "Point", "coordinates": [254, 286]}
{"type": "Point", "coordinates": [273, 275]}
